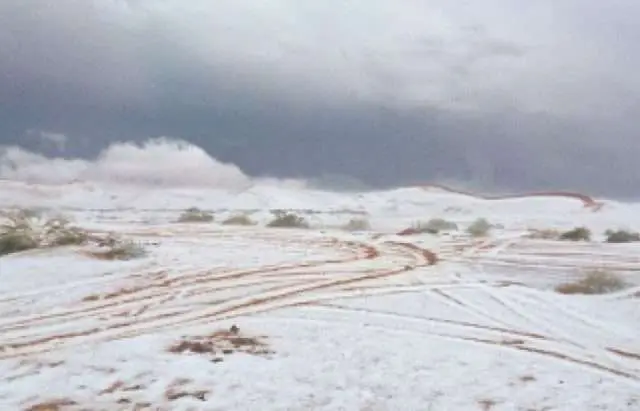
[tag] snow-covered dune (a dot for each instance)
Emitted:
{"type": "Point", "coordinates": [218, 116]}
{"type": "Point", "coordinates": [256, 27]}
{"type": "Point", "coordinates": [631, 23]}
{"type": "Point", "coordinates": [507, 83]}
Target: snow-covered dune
{"type": "Point", "coordinates": [218, 317]}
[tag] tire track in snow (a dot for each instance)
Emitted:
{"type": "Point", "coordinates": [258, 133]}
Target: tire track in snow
{"type": "Point", "coordinates": [476, 252]}
{"type": "Point", "coordinates": [458, 323]}
{"type": "Point", "coordinates": [283, 296]}
{"type": "Point", "coordinates": [512, 333]}
{"type": "Point", "coordinates": [135, 294]}
{"type": "Point", "coordinates": [498, 343]}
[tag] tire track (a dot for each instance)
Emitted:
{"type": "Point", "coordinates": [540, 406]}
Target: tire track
{"type": "Point", "coordinates": [198, 278]}
{"type": "Point", "coordinates": [501, 344]}
{"type": "Point", "coordinates": [146, 321]}
{"type": "Point", "coordinates": [512, 333]}
{"type": "Point", "coordinates": [462, 324]}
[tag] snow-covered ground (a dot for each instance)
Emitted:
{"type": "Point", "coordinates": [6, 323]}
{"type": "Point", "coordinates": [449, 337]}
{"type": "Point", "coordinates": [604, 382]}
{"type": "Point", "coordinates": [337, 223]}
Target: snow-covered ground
{"type": "Point", "coordinates": [327, 319]}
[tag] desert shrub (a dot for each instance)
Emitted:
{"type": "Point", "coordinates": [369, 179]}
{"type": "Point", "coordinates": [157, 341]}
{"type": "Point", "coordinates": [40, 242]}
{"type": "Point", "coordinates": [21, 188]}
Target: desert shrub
{"type": "Point", "coordinates": [357, 224]}
{"type": "Point", "coordinates": [576, 234]}
{"type": "Point", "coordinates": [195, 215]}
{"type": "Point", "coordinates": [433, 226]}
{"type": "Point", "coordinates": [117, 248]}
{"type": "Point", "coordinates": [479, 228]}
{"type": "Point", "coordinates": [16, 241]}
{"type": "Point", "coordinates": [593, 282]}
{"type": "Point", "coordinates": [58, 231]}
{"type": "Point", "coordinates": [16, 233]}
{"type": "Point", "coordinates": [240, 219]}
{"type": "Point", "coordinates": [125, 250]}
{"type": "Point", "coordinates": [24, 230]}
{"type": "Point", "coordinates": [438, 224]}
{"type": "Point", "coordinates": [621, 236]}
{"type": "Point", "coordinates": [283, 219]}
{"type": "Point", "coordinates": [544, 234]}
{"type": "Point", "coordinates": [421, 227]}
{"type": "Point", "coordinates": [68, 236]}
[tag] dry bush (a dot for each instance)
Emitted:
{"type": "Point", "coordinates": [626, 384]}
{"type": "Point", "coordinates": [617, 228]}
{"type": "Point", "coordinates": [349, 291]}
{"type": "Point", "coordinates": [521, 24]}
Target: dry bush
{"type": "Point", "coordinates": [593, 282]}
{"type": "Point", "coordinates": [240, 219]}
{"type": "Point", "coordinates": [576, 234]}
{"type": "Point", "coordinates": [479, 228]}
{"type": "Point", "coordinates": [117, 248]}
{"type": "Point", "coordinates": [284, 219]}
{"type": "Point", "coordinates": [24, 230]}
{"type": "Point", "coordinates": [621, 236]}
{"type": "Point", "coordinates": [223, 342]}
{"type": "Point", "coordinates": [421, 227]}
{"type": "Point", "coordinates": [16, 241]}
{"type": "Point", "coordinates": [544, 234]}
{"type": "Point", "coordinates": [195, 215]}
{"type": "Point", "coordinates": [59, 232]}
{"type": "Point", "coordinates": [52, 405]}
{"type": "Point", "coordinates": [433, 226]}
{"type": "Point", "coordinates": [17, 233]}
{"type": "Point", "coordinates": [357, 224]}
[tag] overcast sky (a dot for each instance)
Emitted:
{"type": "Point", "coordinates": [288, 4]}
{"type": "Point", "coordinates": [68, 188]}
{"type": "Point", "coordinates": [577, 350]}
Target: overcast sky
{"type": "Point", "coordinates": [513, 94]}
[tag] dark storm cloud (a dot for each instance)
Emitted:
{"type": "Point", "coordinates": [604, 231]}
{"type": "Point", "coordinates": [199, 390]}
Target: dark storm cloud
{"type": "Point", "coordinates": [539, 95]}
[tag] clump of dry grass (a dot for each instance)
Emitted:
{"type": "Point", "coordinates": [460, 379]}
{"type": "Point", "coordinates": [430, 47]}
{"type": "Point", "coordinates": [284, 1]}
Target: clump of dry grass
{"type": "Point", "coordinates": [433, 226]}
{"type": "Point", "coordinates": [15, 241]}
{"type": "Point", "coordinates": [621, 236]}
{"type": "Point", "coordinates": [223, 342]}
{"type": "Point", "coordinates": [544, 234]}
{"type": "Point", "coordinates": [117, 248]}
{"type": "Point", "coordinates": [59, 232]}
{"type": "Point", "coordinates": [284, 219]}
{"type": "Point", "coordinates": [239, 219]}
{"type": "Point", "coordinates": [479, 228]}
{"type": "Point", "coordinates": [436, 225]}
{"type": "Point", "coordinates": [195, 215]}
{"type": "Point", "coordinates": [357, 224]}
{"type": "Point", "coordinates": [24, 230]}
{"type": "Point", "coordinates": [52, 405]}
{"type": "Point", "coordinates": [593, 282]}
{"type": "Point", "coordinates": [576, 234]}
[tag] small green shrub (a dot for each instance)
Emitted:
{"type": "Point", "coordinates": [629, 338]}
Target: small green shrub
{"type": "Point", "coordinates": [195, 215]}
{"type": "Point", "coordinates": [68, 236]}
{"type": "Point", "coordinates": [421, 227]}
{"type": "Point", "coordinates": [126, 250]}
{"type": "Point", "coordinates": [433, 226]}
{"type": "Point", "coordinates": [240, 219]}
{"type": "Point", "coordinates": [439, 224]}
{"type": "Point", "coordinates": [621, 236]}
{"type": "Point", "coordinates": [576, 234]}
{"type": "Point", "coordinates": [544, 234]}
{"type": "Point", "coordinates": [479, 228]}
{"type": "Point", "coordinates": [58, 232]}
{"type": "Point", "coordinates": [593, 282]}
{"type": "Point", "coordinates": [24, 230]}
{"type": "Point", "coordinates": [16, 241]}
{"type": "Point", "coordinates": [357, 224]}
{"type": "Point", "coordinates": [117, 248]}
{"type": "Point", "coordinates": [283, 219]}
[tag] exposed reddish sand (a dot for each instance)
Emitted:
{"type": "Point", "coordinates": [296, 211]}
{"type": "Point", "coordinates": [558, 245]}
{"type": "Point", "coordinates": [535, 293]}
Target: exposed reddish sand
{"type": "Point", "coordinates": [587, 201]}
